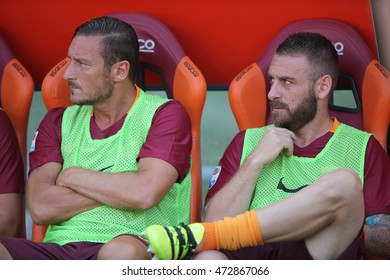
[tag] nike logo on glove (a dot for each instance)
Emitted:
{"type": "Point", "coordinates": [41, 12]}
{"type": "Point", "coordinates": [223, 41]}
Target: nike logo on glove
{"type": "Point", "coordinates": [282, 187]}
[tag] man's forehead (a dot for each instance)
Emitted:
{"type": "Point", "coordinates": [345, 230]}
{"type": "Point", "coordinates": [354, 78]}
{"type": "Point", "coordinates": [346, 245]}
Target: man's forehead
{"type": "Point", "coordinates": [81, 42]}
{"type": "Point", "coordinates": [87, 46]}
{"type": "Point", "coordinates": [288, 65]}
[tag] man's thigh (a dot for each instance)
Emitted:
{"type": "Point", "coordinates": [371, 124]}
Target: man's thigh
{"type": "Point", "coordinates": [22, 249]}
{"type": "Point", "coordinates": [291, 251]}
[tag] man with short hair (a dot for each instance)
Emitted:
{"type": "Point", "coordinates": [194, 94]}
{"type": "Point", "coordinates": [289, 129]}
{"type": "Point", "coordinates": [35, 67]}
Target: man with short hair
{"type": "Point", "coordinates": [117, 161]}
{"type": "Point", "coordinates": [298, 189]}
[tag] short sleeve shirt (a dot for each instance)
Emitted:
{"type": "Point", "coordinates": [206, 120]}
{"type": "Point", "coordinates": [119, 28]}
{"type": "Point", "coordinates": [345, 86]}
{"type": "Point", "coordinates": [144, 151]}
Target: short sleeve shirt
{"type": "Point", "coordinates": [12, 177]}
{"type": "Point", "coordinates": [376, 170]}
{"type": "Point", "coordinates": [169, 137]}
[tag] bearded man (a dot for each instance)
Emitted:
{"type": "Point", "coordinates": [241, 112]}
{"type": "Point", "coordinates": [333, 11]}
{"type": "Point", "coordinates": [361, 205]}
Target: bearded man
{"type": "Point", "coordinates": [306, 187]}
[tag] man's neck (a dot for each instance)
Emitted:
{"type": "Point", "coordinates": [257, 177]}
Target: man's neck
{"type": "Point", "coordinates": [312, 131]}
{"type": "Point", "coordinates": [109, 112]}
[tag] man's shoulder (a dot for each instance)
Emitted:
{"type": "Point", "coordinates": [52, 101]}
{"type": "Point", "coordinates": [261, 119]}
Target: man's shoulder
{"type": "Point", "coordinates": [172, 107]}
{"type": "Point", "coordinates": [53, 117]}
{"type": "Point", "coordinates": [349, 128]}
{"type": "Point", "coordinates": [5, 122]}
{"type": "Point", "coordinates": [56, 112]}
{"type": "Point", "coordinates": [257, 131]}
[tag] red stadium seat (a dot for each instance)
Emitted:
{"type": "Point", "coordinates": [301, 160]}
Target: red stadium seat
{"type": "Point", "coordinates": [361, 74]}
{"type": "Point", "coordinates": [160, 52]}
{"type": "Point", "coordinates": [16, 93]}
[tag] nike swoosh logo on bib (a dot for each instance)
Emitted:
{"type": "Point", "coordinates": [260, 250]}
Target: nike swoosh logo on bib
{"type": "Point", "coordinates": [282, 187]}
{"type": "Point", "coordinates": [105, 168]}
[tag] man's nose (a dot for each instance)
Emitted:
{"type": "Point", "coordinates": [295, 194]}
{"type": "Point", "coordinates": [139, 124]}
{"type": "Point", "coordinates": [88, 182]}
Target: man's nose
{"type": "Point", "coordinates": [274, 92]}
{"type": "Point", "coordinates": [68, 74]}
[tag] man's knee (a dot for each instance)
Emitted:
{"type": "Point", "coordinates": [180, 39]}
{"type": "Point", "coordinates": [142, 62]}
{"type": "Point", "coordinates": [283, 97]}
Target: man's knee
{"type": "Point", "coordinates": [343, 184]}
{"type": "Point", "coordinates": [124, 248]}
{"type": "Point", "coordinates": [342, 192]}
{"type": "Point", "coordinates": [210, 255]}
{"type": "Point", "coordinates": [4, 254]}
{"type": "Point", "coordinates": [349, 176]}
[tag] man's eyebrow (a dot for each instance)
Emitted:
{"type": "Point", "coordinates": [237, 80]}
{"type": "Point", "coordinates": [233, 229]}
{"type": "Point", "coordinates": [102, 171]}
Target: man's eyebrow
{"type": "Point", "coordinates": [287, 77]}
{"type": "Point", "coordinates": [79, 60]}
{"type": "Point", "coordinates": [284, 77]}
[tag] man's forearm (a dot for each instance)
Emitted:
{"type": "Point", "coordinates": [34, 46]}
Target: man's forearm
{"type": "Point", "coordinates": [377, 236]}
{"type": "Point", "coordinates": [124, 190]}
{"type": "Point", "coordinates": [50, 203]}
{"type": "Point", "coordinates": [235, 197]}
{"type": "Point", "coordinates": [63, 205]}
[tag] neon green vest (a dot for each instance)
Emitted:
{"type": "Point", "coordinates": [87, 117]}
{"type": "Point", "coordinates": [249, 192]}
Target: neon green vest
{"type": "Point", "coordinates": [288, 174]}
{"type": "Point", "coordinates": [116, 153]}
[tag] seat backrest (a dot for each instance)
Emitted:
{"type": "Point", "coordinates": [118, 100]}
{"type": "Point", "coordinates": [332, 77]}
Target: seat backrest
{"type": "Point", "coordinates": [162, 53]}
{"type": "Point", "coordinates": [361, 75]}
{"type": "Point", "coordinates": [16, 93]}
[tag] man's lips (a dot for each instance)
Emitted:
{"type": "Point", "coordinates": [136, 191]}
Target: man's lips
{"type": "Point", "coordinates": [275, 105]}
{"type": "Point", "coordinates": [73, 86]}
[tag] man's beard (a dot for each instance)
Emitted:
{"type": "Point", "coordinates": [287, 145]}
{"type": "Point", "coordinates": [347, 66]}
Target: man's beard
{"type": "Point", "coordinates": [100, 95]}
{"type": "Point", "coordinates": [302, 115]}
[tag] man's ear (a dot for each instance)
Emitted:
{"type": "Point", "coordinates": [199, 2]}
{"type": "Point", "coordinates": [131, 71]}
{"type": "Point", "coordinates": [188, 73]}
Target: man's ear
{"type": "Point", "coordinates": [323, 87]}
{"type": "Point", "coordinates": [120, 70]}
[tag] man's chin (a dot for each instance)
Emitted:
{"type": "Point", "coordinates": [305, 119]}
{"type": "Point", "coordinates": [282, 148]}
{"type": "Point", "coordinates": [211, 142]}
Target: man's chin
{"type": "Point", "coordinates": [80, 102]}
{"type": "Point", "coordinates": [278, 121]}
{"type": "Point", "coordinates": [282, 124]}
